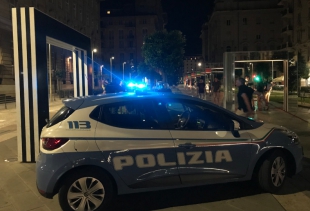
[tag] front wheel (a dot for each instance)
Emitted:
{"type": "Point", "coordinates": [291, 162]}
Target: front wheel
{"type": "Point", "coordinates": [86, 190]}
{"type": "Point", "coordinates": [272, 173]}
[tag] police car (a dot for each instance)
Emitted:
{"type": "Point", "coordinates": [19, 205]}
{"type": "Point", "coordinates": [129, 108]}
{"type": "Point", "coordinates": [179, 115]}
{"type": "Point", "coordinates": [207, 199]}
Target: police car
{"type": "Point", "coordinates": [98, 146]}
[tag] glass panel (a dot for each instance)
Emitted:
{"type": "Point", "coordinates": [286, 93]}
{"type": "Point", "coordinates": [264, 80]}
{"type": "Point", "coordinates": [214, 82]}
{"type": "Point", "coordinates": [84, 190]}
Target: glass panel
{"type": "Point", "coordinates": [260, 69]}
{"type": "Point", "coordinates": [60, 77]}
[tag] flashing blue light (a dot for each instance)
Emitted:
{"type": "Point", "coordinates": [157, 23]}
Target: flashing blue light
{"type": "Point", "coordinates": [131, 84]}
{"type": "Point", "coordinates": [141, 86]}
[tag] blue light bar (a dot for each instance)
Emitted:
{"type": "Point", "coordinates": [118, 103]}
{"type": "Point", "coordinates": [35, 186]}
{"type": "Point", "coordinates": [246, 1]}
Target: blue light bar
{"type": "Point", "coordinates": [139, 86]}
{"type": "Point", "coordinates": [131, 84]}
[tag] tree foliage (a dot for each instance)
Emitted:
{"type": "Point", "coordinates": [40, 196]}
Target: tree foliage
{"type": "Point", "coordinates": [164, 51]}
{"type": "Point", "coordinates": [297, 69]}
{"type": "Point", "coordinates": [145, 70]}
{"type": "Point", "coordinates": [303, 71]}
{"type": "Point", "coordinates": [263, 69]}
{"type": "Point", "coordinates": [59, 74]}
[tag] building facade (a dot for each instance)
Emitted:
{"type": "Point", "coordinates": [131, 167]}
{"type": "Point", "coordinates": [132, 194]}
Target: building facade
{"type": "Point", "coordinates": [123, 28]}
{"type": "Point", "coordinates": [194, 67]}
{"type": "Point", "coordinates": [243, 25]}
{"type": "Point", "coordinates": [82, 15]}
{"type": "Point", "coordinates": [296, 29]}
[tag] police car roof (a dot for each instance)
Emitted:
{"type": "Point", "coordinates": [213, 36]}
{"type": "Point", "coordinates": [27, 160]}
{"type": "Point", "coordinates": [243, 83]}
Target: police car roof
{"type": "Point", "coordinates": [93, 100]}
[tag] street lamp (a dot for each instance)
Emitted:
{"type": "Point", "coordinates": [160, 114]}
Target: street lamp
{"type": "Point", "coordinates": [101, 66]}
{"type": "Point", "coordinates": [111, 66]}
{"type": "Point", "coordinates": [131, 71]}
{"type": "Point", "coordinates": [123, 69]}
{"type": "Point", "coordinates": [92, 66]}
{"type": "Point", "coordinates": [252, 71]}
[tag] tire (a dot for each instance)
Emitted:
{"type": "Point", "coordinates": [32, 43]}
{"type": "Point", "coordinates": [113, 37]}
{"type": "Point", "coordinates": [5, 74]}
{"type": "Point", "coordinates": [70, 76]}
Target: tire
{"type": "Point", "coordinates": [71, 195]}
{"type": "Point", "coordinates": [272, 172]}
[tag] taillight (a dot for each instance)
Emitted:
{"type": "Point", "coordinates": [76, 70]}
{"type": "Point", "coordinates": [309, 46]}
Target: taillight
{"type": "Point", "coordinates": [53, 143]}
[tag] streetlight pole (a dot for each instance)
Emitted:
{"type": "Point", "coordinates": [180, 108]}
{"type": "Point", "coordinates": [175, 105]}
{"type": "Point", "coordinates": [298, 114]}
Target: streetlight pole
{"type": "Point", "coordinates": [252, 71]}
{"type": "Point", "coordinates": [101, 66]}
{"type": "Point", "coordinates": [199, 69]}
{"type": "Point", "coordinates": [92, 67]}
{"type": "Point", "coordinates": [111, 66]}
{"type": "Point", "coordinates": [123, 69]}
{"type": "Point", "coordinates": [131, 71]}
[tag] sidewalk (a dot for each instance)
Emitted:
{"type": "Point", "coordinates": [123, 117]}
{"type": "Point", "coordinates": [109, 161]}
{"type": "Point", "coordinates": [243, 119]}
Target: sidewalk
{"type": "Point", "coordinates": [18, 190]}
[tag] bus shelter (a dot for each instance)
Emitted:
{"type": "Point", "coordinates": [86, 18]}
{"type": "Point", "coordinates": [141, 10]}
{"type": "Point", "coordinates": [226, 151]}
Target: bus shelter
{"type": "Point", "coordinates": [278, 62]}
{"type": "Point", "coordinates": [34, 33]}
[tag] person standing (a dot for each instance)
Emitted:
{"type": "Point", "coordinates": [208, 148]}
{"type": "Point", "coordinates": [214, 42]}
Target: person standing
{"type": "Point", "coordinates": [210, 87]}
{"type": "Point", "coordinates": [216, 85]}
{"type": "Point", "coordinates": [104, 84]}
{"type": "Point", "coordinates": [260, 95]}
{"type": "Point", "coordinates": [267, 95]}
{"type": "Point", "coordinates": [247, 79]}
{"type": "Point", "coordinates": [201, 89]}
{"type": "Point", "coordinates": [244, 96]}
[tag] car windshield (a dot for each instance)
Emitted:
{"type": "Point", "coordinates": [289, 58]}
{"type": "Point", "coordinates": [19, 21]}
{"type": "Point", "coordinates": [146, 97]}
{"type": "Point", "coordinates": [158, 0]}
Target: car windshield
{"type": "Point", "coordinates": [61, 115]}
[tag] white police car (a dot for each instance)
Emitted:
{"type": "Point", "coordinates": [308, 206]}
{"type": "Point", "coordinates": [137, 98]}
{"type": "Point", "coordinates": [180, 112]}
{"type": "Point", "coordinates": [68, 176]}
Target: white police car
{"type": "Point", "coordinates": [99, 146]}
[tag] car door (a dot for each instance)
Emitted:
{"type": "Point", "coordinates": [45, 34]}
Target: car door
{"type": "Point", "coordinates": [206, 149]}
{"type": "Point", "coordinates": [140, 151]}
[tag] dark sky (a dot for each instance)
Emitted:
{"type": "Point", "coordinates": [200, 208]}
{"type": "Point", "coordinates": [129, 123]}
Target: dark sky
{"type": "Point", "coordinates": [188, 17]}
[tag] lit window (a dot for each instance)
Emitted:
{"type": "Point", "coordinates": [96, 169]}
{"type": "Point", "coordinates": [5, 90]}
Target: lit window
{"type": "Point", "coordinates": [108, 12]}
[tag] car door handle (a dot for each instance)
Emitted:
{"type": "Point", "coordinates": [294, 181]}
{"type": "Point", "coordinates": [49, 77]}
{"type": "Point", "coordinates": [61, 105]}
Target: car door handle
{"type": "Point", "coordinates": [187, 145]}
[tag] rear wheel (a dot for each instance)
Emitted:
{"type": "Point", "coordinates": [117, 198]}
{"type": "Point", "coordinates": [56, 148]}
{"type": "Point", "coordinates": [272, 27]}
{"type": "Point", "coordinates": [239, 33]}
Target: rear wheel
{"type": "Point", "coordinates": [86, 190]}
{"type": "Point", "coordinates": [272, 173]}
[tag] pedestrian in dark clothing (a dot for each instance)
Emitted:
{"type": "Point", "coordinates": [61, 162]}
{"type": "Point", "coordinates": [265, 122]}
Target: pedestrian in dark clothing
{"type": "Point", "coordinates": [261, 86]}
{"type": "Point", "coordinates": [244, 96]}
{"type": "Point", "coordinates": [113, 87]}
{"type": "Point", "coordinates": [122, 86]}
{"type": "Point", "coordinates": [201, 89]}
{"type": "Point", "coordinates": [216, 85]}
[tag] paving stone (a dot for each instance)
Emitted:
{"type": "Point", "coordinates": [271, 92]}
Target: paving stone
{"type": "Point", "coordinates": [8, 208]}
{"type": "Point", "coordinates": [4, 200]}
{"type": "Point", "coordinates": [26, 200]}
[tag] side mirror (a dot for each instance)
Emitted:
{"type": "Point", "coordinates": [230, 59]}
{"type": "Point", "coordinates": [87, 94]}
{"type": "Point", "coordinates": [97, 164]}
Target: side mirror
{"type": "Point", "coordinates": [236, 125]}
{"type": "Point", "coordinates": [234, 128]}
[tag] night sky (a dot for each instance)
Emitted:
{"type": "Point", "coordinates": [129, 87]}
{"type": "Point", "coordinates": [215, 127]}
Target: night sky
{"type": "Point", "coordinates": [188, 17]}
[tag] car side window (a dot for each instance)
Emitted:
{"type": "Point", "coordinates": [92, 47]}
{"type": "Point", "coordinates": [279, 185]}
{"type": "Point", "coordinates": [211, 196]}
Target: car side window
{"type": "Point", "coordinates": [129, 114]}
{"type": "Point", "coordinates": [163, 115]}
{"type": "Point", "coordinates": [190, 115]}
{"type": "Point", "coordinates": [216, 120]}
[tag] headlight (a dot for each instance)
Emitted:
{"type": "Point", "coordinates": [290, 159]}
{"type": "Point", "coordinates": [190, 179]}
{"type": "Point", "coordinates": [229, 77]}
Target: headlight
{"type": "Point", "coordinates": [294, 139]}
{"type": "Point", "coordinates": [291, 135]}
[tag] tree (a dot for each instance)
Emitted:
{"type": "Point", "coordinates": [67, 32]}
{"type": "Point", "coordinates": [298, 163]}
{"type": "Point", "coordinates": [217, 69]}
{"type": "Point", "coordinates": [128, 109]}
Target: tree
{"type": "Point", "coordinates": [292, 68]}
{"type": "Point", "coordinates": [263, 69]}
{"type": "Point", "coordinates": [303, 71]}
{"type": "Point", "coordinates": [145, 70]}
{"type": "Point", "coordinates": [164, 51]}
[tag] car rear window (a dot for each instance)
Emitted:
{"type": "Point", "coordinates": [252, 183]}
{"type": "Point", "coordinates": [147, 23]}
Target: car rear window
{"type": "Point", "coordinates": [61, 115]}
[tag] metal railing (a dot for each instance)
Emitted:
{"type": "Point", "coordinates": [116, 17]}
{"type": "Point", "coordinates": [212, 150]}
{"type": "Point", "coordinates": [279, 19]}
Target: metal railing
{"type": "Point", "coordinates": [7, 98]}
